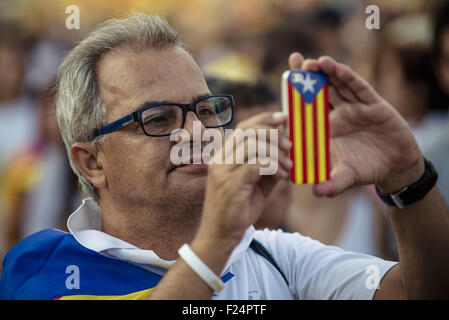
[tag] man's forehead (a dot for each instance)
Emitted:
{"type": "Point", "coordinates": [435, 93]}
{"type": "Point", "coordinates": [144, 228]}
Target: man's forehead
{"type": "Point", "coordinates": [128, 78]}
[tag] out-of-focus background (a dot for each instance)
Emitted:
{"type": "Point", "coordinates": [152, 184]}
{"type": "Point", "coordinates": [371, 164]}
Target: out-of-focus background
{"type": "Point", "coordinates": [242, 48]}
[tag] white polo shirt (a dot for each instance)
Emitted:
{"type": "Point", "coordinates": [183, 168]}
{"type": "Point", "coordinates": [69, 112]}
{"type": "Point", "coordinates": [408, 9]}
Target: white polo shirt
{"type": "Point", "coordinates": [313, 270]}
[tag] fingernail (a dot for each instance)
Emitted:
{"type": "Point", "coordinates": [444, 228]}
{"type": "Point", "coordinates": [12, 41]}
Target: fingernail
{"type": "Point", "coordinates": [286, 142]}
{"type": "Point", "coordinates": [279, 116]}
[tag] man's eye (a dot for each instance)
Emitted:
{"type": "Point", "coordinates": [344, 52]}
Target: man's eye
{"type": "Point", "coordinates": [155, 120]}
{"type": "Point", "coordinates": [206, 112]}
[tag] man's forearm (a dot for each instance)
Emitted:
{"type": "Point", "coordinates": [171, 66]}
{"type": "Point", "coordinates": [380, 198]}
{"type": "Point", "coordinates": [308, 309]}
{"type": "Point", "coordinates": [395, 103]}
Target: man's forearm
{"type": "Point", "coordinates": [422, 234]}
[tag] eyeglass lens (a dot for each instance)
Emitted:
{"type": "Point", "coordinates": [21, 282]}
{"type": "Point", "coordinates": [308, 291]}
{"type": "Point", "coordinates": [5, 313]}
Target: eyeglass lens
{"type": "Point", "coordinates": [212, 112]}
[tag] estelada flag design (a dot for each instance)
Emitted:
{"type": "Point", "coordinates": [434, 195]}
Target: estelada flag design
{"type": "Point", "coordinates": [305, 99]}
{"type": "Point", "coordinates": [36, 268]}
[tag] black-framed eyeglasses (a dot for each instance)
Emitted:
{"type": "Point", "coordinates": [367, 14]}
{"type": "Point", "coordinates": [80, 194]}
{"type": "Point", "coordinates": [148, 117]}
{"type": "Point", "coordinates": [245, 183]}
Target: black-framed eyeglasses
{"type": "Point", "coordinates": [158, 120]}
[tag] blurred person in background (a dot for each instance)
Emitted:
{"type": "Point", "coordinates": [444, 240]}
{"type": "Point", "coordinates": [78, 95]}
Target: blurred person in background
{"type": "Point", "coordinates": [17, 117]}
{"type": "Point", "coordinates": [404, 75]}
{"type": "Point", "coordinates": [17, 113]}
{"type": "Point", "coordinates": [349, 220]}
{"type": "Point", "coordinates": [39, 187]}
{"type": "Point", "coordinates": [438, 150]}
{"type": "Point", "coordinates": [313, 33]}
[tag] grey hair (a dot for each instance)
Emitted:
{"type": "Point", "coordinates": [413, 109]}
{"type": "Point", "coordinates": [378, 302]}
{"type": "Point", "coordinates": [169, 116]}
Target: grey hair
{"type": "Point", "coordinates": [79, 109]}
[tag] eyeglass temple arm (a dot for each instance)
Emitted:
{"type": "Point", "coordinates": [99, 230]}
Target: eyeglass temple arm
{"type": "Point", "coordinates": [113, 126]}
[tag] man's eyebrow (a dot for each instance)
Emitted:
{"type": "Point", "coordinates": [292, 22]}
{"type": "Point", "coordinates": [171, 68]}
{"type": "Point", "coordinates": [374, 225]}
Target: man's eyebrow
{"type": "Point", "coordinates": [149, 103]}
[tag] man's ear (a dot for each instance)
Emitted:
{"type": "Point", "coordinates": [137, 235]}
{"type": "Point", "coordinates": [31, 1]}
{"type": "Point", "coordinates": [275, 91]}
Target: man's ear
{"type": "Point", "coordinates": [85, 158]}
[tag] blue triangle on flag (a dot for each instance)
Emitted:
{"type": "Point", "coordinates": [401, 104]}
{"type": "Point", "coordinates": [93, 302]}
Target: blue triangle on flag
{"type": "Point", "coordinates": [307, 83]}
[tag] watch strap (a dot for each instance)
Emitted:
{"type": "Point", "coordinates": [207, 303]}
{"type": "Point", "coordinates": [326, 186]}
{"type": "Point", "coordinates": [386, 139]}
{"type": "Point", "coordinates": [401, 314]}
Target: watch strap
{"type": "Point", "coordinates": [414, 192]}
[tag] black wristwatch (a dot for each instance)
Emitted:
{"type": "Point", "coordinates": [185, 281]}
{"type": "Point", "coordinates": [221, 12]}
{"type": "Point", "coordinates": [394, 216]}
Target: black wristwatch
{"type": "Point", "coordinates": [414, 192]}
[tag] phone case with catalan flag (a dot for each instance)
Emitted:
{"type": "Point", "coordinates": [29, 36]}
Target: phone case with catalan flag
{"type": "Point", "coordinates": [305, 100]}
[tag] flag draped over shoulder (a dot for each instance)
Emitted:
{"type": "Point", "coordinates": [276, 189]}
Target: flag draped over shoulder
{"type": "Point", "coordinates": [307, 97]}
{"type": "Point", "coordinates": [36, 268]}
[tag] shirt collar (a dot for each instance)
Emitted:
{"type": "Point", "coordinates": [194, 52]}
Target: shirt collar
{"type": "Point", "coordinates": [85, 225]}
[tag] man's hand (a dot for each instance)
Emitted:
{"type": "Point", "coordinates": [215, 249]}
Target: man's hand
{"type": "Point", "coordinates": [236, 193]}
{"type": "Point", "coordinates": [370, 142]}
{"type": "Point", "coordinates": [235, 197]}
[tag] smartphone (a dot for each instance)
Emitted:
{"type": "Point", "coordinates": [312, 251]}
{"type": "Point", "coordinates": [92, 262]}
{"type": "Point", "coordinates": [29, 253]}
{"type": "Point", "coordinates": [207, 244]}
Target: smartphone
{"type": "Point", "coordinates": [305, 98]}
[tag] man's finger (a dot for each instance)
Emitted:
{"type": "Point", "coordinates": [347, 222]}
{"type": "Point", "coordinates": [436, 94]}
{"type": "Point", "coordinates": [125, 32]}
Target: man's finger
{"type": "Point", "coordinates": [295, 61]}
{"type": "Point", "coordinates": [336, 82]}
{"type": "Point", "coordinates": [359, 87]}
{"type": "Point", "coordinates": [335, 98]}
{"type": "Point", "coordinates": [339, 85]}
{"type": "Point", "coordinates": [285, 163]}
{"type": "Point", "coordinates": [342, 178]}
{"type": "Point", "coordinates": [311, 65]}
{"type": "Point", "coordinates": [347, 94]}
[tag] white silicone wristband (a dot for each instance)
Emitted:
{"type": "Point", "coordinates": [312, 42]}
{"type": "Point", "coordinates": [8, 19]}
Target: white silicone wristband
{"type": "Point", "coordinates": [200, 268]}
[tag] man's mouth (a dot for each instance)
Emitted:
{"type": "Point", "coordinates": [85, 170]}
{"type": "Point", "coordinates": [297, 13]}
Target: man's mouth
{"type": "Point", "coordinates": [194, 163]}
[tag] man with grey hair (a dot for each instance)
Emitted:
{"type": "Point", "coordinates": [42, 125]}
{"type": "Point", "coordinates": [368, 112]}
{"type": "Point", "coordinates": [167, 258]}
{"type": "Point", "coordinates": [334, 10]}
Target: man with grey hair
{"type": "Point", "coordinates": [165, 231]}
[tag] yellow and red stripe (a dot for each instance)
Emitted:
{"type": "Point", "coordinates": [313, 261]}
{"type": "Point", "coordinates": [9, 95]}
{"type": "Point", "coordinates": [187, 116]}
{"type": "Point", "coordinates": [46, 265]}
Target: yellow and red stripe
{"type": "Point", "coordinates": [139, 295]}
{"type": "Point", "coordinates": [309, 133]}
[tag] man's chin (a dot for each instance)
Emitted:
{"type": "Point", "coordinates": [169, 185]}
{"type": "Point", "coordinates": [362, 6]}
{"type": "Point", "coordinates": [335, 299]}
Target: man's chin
{"type": "Point", "coordinates": [188, 185]}
{"type": "Point", "coordinates": [189, 177]}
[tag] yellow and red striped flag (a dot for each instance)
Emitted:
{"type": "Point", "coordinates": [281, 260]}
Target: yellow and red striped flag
{"type": "Point", "coordinates": [305, 99]}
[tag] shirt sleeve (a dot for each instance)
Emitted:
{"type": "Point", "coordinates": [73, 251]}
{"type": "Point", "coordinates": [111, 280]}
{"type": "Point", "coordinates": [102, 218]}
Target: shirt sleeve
{"type": "Point", "coordinates": [317, 271]}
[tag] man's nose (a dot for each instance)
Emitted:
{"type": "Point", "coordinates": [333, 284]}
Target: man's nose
{"type": "Point", "coordinates": [193, 125]}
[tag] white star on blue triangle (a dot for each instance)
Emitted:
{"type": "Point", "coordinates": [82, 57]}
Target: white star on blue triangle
{"type": "Point", "coordinates": [309, 84]}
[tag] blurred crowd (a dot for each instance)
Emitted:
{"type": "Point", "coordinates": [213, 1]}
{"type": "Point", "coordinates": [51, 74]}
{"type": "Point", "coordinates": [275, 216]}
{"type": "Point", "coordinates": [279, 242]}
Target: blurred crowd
{"type": "Point", "coordinates": [242, 48]}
